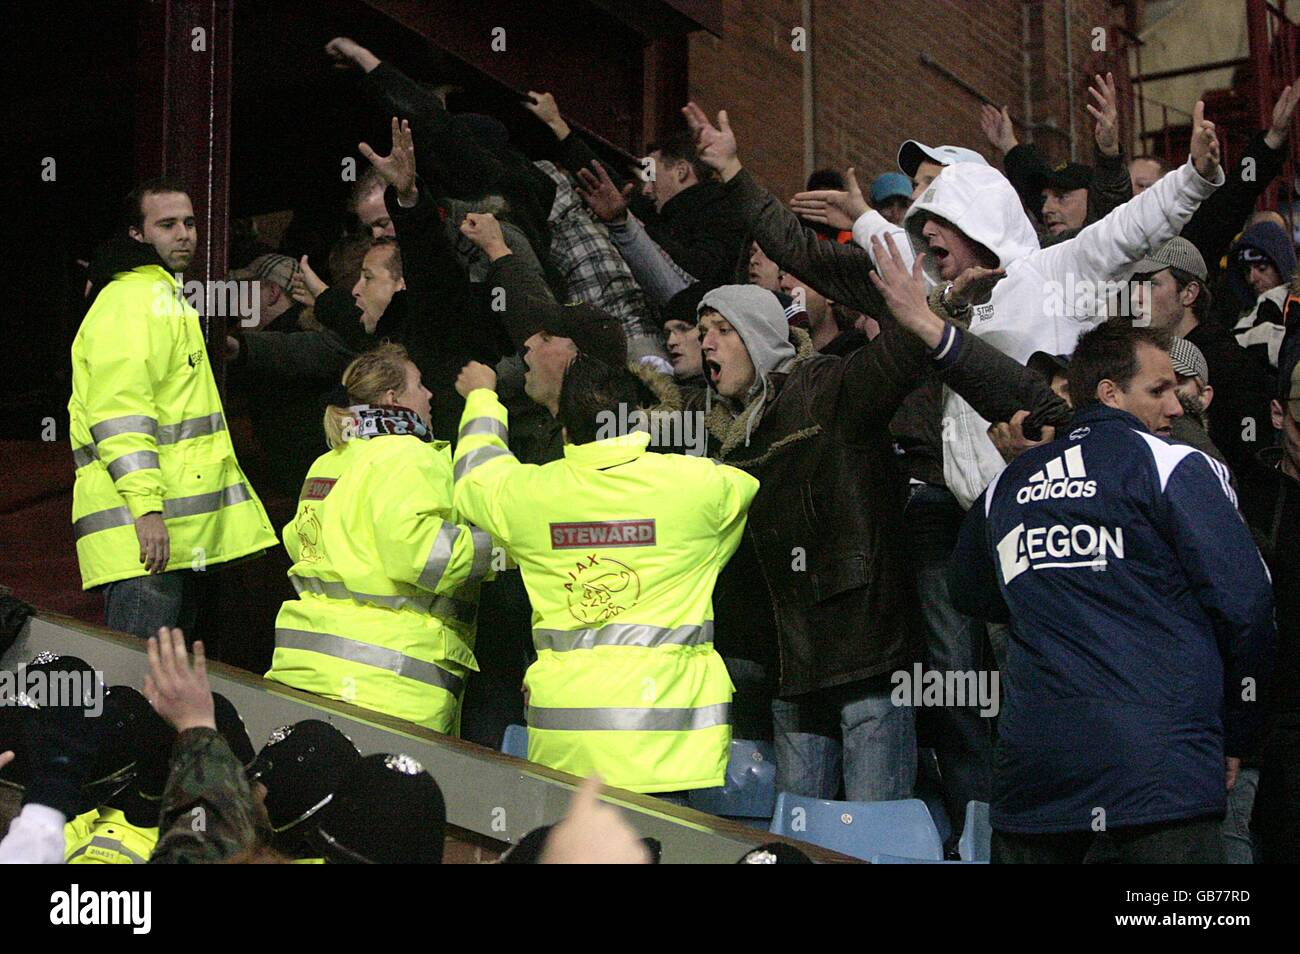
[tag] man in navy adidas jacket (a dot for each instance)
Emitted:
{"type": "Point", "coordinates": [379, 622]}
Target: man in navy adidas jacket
{"type": "Point", "coordinates": [1141, 618]}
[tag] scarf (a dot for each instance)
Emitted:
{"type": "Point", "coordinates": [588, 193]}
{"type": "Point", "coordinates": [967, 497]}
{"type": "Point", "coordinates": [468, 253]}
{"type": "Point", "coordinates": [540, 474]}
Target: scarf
{"type": "Point", "coordinates": [374, 420]}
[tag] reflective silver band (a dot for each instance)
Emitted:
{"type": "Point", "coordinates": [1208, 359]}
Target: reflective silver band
{"type": "Point", "coordinates": [479, 455]}
{"type": "Point", "coordinates": [127, 424]}
{"type": "Point", "coordinates": [621, 634]}
{"type": "Point", "coordinates": [485, 425]}
{"type": "Point", "coordinates": [139, 424]}
{"type": "Point", "coordinates": [482, 554]}
{"type": "Point", "coordinates": [629, 720]}
{"type": "Point", "coordinates": [83, 455]}
{"type": "Point", "coordinates": [111, 845]}
{"type": "Point", "coordinates": [178, 507]}
{"type": "Point", "coordinates": [367, 654]}
{"type": "Point", "coordinates": [206, 503]}
{"type": "Point", "coordinates": [439, 556]}
{"type": "Point", "coordinates": [446, 608]}
{"type": "Point", "coordinates": [127, 463]}
{"type": "Point", "coordinates": [194, 427]}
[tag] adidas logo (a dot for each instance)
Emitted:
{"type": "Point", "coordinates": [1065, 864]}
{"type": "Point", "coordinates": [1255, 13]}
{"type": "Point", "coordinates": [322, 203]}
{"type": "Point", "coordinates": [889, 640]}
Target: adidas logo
{"type": "Point", "coordinates": [1062, 477]}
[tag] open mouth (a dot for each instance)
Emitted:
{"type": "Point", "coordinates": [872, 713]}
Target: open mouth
{"type": "Point", "coordinates": [713, 369]}
{"type": "Point", "coordinates": [938, 254]}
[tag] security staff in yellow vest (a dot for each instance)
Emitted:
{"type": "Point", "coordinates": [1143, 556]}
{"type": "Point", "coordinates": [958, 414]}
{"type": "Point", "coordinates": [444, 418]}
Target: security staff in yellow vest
{"type": "Point", "coordinates": [387, 575]}
{"type": "Point", "coordinates": [619, 549]}
{"type": "Point", "coordinates": [158, 492]}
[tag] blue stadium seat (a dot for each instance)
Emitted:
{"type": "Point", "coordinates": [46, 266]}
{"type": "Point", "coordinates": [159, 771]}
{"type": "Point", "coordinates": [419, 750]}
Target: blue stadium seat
{"type": "Point", "coordinates": [860, 829]}
{"type": "Point", "coordinates": [515, 741]}
{"type": "Point", "coordinates": [976, 843]}
{"type": "Point", "coordinates": [929, 789]}
{"type": "Point", "coordinates": [750, 787]}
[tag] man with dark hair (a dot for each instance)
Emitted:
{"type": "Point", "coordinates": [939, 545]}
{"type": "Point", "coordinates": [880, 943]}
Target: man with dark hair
{"type": "Point", "coordinates": [159, 494]}
{"type": "Point", "coordinates": [683, 208]}
{"type": "Point", "coordinates": [1171, 290]}
{"type": "Point", "coordinates": [620, 565]}
{"type": "Point", "coordinates": [1142, 624]}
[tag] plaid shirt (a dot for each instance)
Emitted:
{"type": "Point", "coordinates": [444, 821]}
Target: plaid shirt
{"type": "Point", "coordinates": [592, 266]}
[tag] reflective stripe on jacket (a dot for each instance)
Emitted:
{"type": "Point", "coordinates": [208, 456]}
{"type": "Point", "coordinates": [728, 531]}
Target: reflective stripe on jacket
{"type": "Point", "coordinates": [112, 840]}
{"type": "Point", "coordinates": [619, 550]}
{"type": "Point", "coordinates": [387, 581]}
{"type": "Point", "coordinates": [149, 435]}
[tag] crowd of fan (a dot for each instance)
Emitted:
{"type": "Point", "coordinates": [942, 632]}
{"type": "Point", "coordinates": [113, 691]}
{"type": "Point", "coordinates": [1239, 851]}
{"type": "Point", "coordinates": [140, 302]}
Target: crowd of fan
{"type": "Point", "coordinates": [456, 230]}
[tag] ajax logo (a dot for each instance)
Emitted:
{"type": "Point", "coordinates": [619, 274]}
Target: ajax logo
{"type": "Point", "coordinates": [600, 589]}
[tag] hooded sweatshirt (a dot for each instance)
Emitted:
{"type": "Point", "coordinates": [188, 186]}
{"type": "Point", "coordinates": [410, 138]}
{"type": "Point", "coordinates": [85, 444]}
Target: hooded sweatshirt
{"type": "Point", "coordinates": [1260, 330]}
{"type": "Point", "coordinates": [759, 319]}
{"type": "Point", "coordinates": [1049, 295]}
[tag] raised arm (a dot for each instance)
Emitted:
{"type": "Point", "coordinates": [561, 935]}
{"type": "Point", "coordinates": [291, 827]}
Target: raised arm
{"type": "Point", "coordinates": [837, 271]}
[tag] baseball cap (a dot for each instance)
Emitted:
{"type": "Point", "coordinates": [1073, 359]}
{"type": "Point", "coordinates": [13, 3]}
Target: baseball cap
{"type": "Point", "coordinates": [1064, 177]}
{"type": "Point", "coordinates": [1188, 360]}
{"type": "Point", "coordinates": [912, 153]}
{"type": "Point", "coordinates": [890, 185]}
{"type": "Point", "coordinates": [1176, 253]}
{"type": "Point", "coordinates": [277, 269]}
{"type": "Point", "coordinates": [594, 332]}
{"type": "Point", "coordinates": [1048, 364]}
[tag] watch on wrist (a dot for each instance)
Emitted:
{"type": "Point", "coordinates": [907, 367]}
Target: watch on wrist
{"type": "Point", "coordinates": [957, 310]}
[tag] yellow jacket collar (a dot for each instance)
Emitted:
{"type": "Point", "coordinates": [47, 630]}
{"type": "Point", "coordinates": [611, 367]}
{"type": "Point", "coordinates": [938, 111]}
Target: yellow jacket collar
{"type": "Point", "coordinates": [609, 452]}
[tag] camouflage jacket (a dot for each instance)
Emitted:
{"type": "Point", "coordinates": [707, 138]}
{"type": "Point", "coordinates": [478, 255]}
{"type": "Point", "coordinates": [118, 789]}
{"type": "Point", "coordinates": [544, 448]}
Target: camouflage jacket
{"type": "Point", "coordinates": [207, 809]}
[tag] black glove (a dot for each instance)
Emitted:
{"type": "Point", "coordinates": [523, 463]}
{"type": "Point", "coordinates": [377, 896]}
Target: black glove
{"type": "Point", "coordinates": [13, 613]}
{"type": "Point", "coordinates": [62, 733]}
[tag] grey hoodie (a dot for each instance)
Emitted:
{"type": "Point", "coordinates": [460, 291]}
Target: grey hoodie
{"type": "Point", "coordinates": [759, 319]}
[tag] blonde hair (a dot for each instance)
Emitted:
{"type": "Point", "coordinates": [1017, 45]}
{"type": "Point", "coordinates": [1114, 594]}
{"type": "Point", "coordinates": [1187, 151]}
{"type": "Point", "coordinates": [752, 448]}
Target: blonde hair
{"type": "Point", "coordinates": [380, 369]}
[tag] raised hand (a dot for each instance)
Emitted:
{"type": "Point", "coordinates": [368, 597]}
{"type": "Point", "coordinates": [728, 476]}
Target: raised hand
{"type": "Point", "coordinates": [1106, 113]}
{"type": "Point", "coordinates": [474, 376]}
{"type": "Point", "coordinates": [1280, 125]}
{"type": "Point", "coordinates": [1205, 144]}
{"type": "Point", "coordinates": [398, 167]}
{"type": "Point", "coordinates": [593, 833]}
{"type": "Point", "coordinates": [998, 128]}
{"type": "Point", "coordinates": [544, 107]}
{"type": "Point", "coordinates": [904, 291]}
{"type": "Point", "coordinates": [306, 285]}
{"type": "Point", "coordinates": [716, 145]}
{"type": "Point", "coordinates": [179, 691]}
{"type": "Point", "coordinates": [838, 208]}
{"type": "Point", "coordinates": [604, 199]}
{"type": "Point", "coordinates": [348, 53]}
{"type": "Point", "coordinates": [974, 285]}
{"type": "Point", "coordinates": [483, 229]}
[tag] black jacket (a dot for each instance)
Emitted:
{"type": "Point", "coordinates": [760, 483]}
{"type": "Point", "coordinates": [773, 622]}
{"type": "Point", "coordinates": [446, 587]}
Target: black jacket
{"type": "Point", "coordinates": [826, 525]}
{"type": "Point", "coordinates": [1240, 422]}
{"type": "Point", "coordinates": [700, 228]}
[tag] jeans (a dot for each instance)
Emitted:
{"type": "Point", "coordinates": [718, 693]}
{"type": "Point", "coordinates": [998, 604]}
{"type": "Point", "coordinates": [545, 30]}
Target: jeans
{"type": "Point", "coordinates": [851, 735]}
{"type": "Point", "coordinates": [1190, 841]}
{"type": "Point", "coordinates": [962, 739]}
{"type": "Point", "coordinates": [142, 604]}
{"type": "Point", "coordinates": [1238, 846]}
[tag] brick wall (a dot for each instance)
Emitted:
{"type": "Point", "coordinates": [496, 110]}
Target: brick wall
{"type": "Point", "coordinates": [871, 88]}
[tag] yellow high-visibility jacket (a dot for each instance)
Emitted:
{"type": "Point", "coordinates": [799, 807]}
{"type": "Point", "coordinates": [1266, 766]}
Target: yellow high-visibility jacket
{"type": "Point", "coordinates": [112, 840]}
{"type": "Point", "coordinates": [619, 550]}
{"type": "Point", "coordinates": [387, 580]}
{"type": "Point", "coordinates": [148, 434]}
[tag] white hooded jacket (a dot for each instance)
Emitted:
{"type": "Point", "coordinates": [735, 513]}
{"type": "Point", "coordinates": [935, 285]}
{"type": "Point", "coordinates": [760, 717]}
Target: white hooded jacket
{"type": "Point", "coordinates": [1049, 295]}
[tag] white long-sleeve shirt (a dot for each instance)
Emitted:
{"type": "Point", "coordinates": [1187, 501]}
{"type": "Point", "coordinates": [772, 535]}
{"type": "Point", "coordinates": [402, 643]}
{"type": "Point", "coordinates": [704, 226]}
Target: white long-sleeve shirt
{"type": "Point", "coordinates": [35, 837]}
